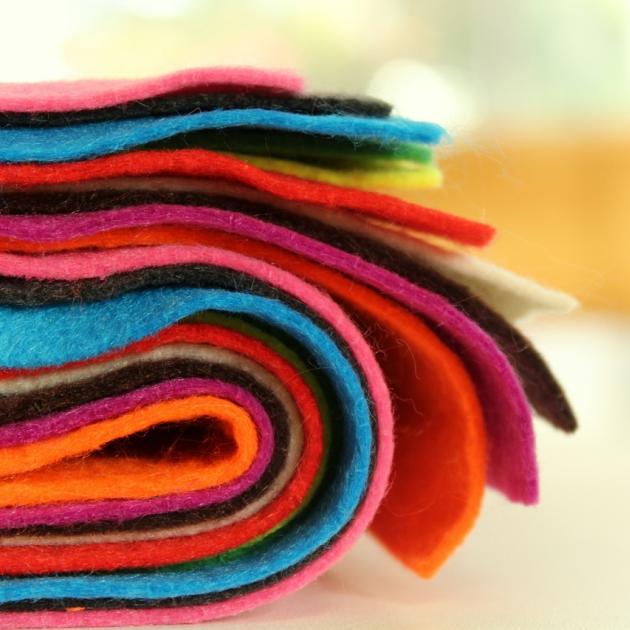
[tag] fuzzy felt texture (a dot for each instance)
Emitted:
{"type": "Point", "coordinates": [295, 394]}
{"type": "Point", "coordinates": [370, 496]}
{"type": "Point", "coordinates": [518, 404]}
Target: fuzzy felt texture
{"type": "Point", "coordinates": [200, 163]}
{"type": "Point", "coordinates": [408, 259]}
{"type": "Point", "coordinates": [455, 424]}
{"type": "Point", "coordinates": [206, 337]}
{"type": "Point", "coordinates": [318, 301]}
{"type": "Point", "coordinates": [169, 360]}
{"type": "Point", "coordinates": [62, 96]}
{"type": "Point", "coordinates": [343, 494]}
{"type": "Point", "coordinates": [182, 104]}
{"type": "Point", "coordinates": [423, 557]}
{"type": "Point", "coordinates": [512, 460]}
{"type": "Point", "coordinates": [75, 142]}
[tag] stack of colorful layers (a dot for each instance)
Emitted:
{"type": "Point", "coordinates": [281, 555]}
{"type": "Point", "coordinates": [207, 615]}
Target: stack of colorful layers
{"type": "Point", "coordinates": [222, 359]}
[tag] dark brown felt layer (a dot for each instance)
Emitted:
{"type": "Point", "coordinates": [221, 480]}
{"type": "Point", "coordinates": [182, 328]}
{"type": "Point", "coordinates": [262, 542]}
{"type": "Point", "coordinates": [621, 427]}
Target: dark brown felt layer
{"type": "Point", "coordinates": [25, 406]}
{"type": "Point", "coordinates": [182, 104]}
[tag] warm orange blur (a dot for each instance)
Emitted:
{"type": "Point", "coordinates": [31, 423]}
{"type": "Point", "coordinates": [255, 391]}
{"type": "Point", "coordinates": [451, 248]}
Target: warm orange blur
{"type": "Point", "coordinates": [561, 206]}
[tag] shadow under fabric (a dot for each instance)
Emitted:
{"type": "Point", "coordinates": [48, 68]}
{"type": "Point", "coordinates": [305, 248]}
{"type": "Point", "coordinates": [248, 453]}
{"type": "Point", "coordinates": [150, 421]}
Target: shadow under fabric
{"type": "Point", "coordinates": [209, 390]}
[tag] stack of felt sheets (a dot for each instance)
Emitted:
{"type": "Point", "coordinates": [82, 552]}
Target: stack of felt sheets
{"type": "Point", "coordinates": [223, 357]}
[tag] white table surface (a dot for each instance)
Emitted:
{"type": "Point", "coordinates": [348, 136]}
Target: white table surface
{"type": "Point", "coordinates": [564, 564]}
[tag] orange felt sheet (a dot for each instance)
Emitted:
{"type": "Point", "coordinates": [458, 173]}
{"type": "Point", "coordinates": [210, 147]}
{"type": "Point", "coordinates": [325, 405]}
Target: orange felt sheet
{"type": "Point", "coordinates": [60, 468]}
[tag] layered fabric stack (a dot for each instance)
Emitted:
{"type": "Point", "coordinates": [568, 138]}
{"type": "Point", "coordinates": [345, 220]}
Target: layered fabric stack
{"type": "Point", "coordinates": [223, 359]}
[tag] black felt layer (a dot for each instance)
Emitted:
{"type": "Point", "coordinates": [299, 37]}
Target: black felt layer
{"type": "Point", "coordinates": [172, 602]}
{"type": "Point", "coordinates": [183, 104]}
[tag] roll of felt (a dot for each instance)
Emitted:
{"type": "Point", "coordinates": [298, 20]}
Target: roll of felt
{"type": "Point", "coordinates": [217, 370]}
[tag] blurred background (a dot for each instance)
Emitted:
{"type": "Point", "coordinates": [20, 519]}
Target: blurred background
{"type": "Point", "coordinates": [536, 96]}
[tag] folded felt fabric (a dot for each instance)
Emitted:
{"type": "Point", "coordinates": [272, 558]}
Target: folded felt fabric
{"type": "Point", "coordinates": [219, 366]}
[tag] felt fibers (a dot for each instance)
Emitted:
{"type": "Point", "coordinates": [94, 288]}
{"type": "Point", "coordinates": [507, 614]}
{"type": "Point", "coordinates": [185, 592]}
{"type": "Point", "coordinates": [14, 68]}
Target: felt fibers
{"type": "Point", "coordinates": [73, 142]}
{"type": "Point", "coordinates": [186, 103]}
{"type": "Point", "coordinates": [225, 352]}
{"type": "Point", "coordinates": [211, 165]}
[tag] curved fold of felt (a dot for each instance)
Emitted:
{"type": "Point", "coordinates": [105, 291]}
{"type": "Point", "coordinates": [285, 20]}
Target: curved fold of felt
{"type": "Point", "coordinates": [59, 468]}
{"type": "Point", "coordinates": [453, 429]}
{"type": "Point", "coordinates": [128, 314]}
{"type": "Point", "coordinates": [168, 305]}
{"type": "Point", "coordinates": [219, 534]}
{"type": "Point", "coordinates": [185, 340]}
